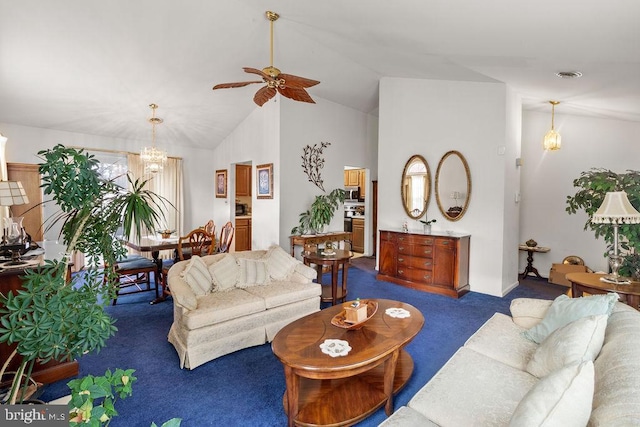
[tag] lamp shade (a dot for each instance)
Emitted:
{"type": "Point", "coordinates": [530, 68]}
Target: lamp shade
{"type": "Point", "coordinates": [616, 209]}
{"type": "Point", "coordinates": [12, 193]}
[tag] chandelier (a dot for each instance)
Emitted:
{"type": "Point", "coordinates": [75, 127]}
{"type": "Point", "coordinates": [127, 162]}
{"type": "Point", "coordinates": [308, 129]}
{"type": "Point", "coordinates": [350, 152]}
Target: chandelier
{"type": "Point", "coordinates": [153, 158]}
{"type": "Point", "coordinates": [552, 140]}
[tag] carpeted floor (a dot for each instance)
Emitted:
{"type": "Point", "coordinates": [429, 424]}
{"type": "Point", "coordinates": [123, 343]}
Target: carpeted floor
{"type": "Point", "coordinates": [246, 388]}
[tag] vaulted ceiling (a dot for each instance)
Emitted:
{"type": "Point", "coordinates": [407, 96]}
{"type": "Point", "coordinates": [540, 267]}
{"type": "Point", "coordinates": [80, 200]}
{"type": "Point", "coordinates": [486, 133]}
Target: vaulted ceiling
{"type": "Point", "coordinates": [94, 66]}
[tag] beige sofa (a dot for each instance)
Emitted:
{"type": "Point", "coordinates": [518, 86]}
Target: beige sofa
{"type": "Point", "coordinates": [489, 381]}
{"type": "Point", "coordinates": [227, 302]}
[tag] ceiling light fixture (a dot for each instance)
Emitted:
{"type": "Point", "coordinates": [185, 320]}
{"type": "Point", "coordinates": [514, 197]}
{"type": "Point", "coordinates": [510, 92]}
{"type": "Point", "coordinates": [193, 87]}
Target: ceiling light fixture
{"type": "Point", "coordinates": [552, 140]}
{"type": "Point", "coordinates": [153, 158]}
{"type": "Point", "coordinates": [569, 74]}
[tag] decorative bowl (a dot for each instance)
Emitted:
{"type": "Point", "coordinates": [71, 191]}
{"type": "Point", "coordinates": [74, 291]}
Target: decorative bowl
{"type": "Point", "coordinates": [339, 319]}
{"type": "Point", "coordinates": [531, 243]}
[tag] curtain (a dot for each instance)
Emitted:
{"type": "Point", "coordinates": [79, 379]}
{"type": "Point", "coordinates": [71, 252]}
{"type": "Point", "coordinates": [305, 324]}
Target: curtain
{"type": "Point", "coordinates": [168, 184]}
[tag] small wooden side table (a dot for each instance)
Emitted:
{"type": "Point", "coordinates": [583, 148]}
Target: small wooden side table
{"type": "Point", "coordinates": [340, 258]}
{"type": "Point", "coordinates": [591, 283]}
{"type": "Point", "coordinates": [530, 250]}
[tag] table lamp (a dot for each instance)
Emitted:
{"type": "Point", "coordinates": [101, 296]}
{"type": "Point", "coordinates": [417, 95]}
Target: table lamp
{"type": "Point", "coordinates": [616, 209]}
{"type": "Point", "coordinates": [12, 193]}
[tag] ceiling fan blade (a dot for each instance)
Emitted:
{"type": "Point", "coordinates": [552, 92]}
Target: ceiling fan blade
{"type": "Point", "coordinates": [263, 95]}
{"type": "Point", "coordinates": [297, 82]}
{"type": "Point", "coordinates": [236, 84]}
{"type": "Point", "coordinates": [297, 94]}
{"type": "Point", "coordinates": [258, 72]}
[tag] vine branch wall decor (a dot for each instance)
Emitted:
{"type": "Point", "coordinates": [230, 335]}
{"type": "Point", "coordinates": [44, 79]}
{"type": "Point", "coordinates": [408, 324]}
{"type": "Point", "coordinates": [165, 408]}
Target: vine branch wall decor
{"type": "Point", "coordinates": [312, 162]}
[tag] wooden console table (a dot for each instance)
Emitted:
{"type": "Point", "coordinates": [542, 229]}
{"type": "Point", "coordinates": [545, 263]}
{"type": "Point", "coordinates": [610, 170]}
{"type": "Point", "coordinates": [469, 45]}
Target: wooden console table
{"type": "Point", "coordinates": [314, 239]}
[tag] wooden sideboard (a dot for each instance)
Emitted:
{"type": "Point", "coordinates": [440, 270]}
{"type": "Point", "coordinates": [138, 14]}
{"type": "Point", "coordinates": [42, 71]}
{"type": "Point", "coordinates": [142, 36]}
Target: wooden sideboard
{"type": "Point", "coordinates": [437, 263]}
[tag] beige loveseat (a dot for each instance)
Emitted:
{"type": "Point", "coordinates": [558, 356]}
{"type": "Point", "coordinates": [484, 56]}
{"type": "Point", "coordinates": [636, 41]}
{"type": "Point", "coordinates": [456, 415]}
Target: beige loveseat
{"type": "Point", "coordinates": [227, 302]}
{"type": "Point", "coordinates": [584, 373]}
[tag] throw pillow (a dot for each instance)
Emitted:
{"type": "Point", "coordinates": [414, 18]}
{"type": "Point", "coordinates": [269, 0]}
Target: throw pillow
{"type": "Point", "coordinates": [252, 272]}
{"type": "Point", "coordinates": [563, 398]}
{"type": "Point", "coordinates": [575, 342]}
{"type": "Point", "coordinates": [279, 263]}
{"type": "Point", "coordinates": [224, 273]}
{"type": "Point", "coordinates": [197, 276]}
{"type": "Point", "coordinates": [528, 312]}
{"type": "Point", "coordinates": [565, 310]}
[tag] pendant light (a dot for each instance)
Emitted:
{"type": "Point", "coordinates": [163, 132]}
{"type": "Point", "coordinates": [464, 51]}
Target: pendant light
{"type": "Point", "coordinates": [153, 158]}
{"type": "Point", "coordinates": [552, 140]}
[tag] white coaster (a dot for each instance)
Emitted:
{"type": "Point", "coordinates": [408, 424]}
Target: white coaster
{"type": "Point", "coordinates": [335, 348]}
{"type": "Point", "coordinates": [399, 313]}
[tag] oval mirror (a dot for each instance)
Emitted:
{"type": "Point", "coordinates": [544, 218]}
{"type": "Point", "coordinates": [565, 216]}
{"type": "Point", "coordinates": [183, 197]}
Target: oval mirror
{"type": "Point", "coordinates": [453, 185]}
{"type": "Point", "coordinates": [415, 186]}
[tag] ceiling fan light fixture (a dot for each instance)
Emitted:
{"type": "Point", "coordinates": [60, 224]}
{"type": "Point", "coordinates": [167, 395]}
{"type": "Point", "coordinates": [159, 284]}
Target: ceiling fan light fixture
{"type": "Point", "coordinates": [152, 157]}
{"type": "Point", "coordinates": [552, 140]}
{"type": "Point", "coordinates": [287, 85]}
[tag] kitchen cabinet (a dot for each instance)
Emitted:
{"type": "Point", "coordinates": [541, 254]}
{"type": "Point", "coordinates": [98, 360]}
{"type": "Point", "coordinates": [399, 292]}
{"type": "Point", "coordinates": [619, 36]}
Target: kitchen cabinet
{"type": "Point", "coordinates": [362, 181]}
{"type": "Point", "coordinates": [358, 235]}
{"type": "Point", "coordinates": [352, 177]}
{"type": "Point", "coordinates": [243, 180]}
{"type": "Point", "coordinates": [243, 234]}
{"type": "Point", "coordinates": [428, 262]}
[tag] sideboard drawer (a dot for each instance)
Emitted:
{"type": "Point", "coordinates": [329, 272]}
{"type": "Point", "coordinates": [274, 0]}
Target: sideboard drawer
{"type": "Point", "coordinates": [415, 275]}
{"type": "Point", "coordinates": [416, 250]}
{"type": "Point", "coordinates": [415, 239]}
{"type": "Point", "coordinates": [414, 262]}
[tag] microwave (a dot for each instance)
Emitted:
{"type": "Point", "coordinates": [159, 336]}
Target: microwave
{"type": "Point", "coordinates": [352, 193]}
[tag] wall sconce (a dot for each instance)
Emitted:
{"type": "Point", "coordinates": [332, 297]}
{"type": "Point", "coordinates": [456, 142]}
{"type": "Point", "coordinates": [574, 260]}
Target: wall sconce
{"type": "Point", "coordinates": [552, 140]}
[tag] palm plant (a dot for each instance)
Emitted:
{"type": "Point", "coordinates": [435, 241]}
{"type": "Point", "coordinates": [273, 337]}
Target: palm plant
{"type": "Point", "coordinates": [51, 318]}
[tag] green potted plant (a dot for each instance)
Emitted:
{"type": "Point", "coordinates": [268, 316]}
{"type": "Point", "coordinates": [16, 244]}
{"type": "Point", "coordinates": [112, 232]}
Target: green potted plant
{"type": "Point", "coordinates": [426, 224]}
{"type": "Point", "coordinates": [319, 215]}
{"type": "Point", "coordinates": [50, 318]}
{"type": "Point", "coordinates": [593, 185]}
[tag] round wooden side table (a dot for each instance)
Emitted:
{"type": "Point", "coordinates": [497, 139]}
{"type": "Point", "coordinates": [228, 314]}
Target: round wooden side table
{"type": "Point", "coordinates": [339, 258]}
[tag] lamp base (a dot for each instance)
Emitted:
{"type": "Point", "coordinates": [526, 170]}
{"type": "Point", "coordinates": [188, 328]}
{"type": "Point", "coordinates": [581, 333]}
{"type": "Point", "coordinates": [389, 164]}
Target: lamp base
{"type": "Point", "coordinates": [615, 279]}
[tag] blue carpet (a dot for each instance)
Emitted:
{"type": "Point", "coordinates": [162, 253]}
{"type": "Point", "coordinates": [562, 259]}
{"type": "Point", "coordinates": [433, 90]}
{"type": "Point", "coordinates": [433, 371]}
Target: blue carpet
{"type": "Point", "coordinates": [245, 388]}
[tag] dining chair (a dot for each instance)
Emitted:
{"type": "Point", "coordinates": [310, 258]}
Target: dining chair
{"type": "Point", "coordinates": [134, 271]}
{"type": "Point", "coordinates": [197, 242]}
{"type": "Point", "coordinates": [210, 227]}
{"type": "Point", "coordinates": [226, 237]}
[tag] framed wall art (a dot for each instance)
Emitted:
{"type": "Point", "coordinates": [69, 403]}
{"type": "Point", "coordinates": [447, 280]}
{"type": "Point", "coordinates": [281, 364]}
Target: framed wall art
{"type": "Point", "coordinates": [221, 183]}
{"type": "Point", "coordinates": [264, 181]}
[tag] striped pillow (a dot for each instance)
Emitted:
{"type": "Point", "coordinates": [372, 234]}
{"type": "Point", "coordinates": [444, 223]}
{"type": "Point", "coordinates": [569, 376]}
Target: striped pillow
{"type": "Point", "coordinates": [224, 273]}
{"type": "Point", "coordinates": [252, 272]}
{"type": "Point", "coordinates": [280, 264]}
{"type": "Point", "coordinates": [197, 276]}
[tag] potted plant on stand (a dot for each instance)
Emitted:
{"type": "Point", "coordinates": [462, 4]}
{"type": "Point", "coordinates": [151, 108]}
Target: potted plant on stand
{"type": "Point", "coordinates": [319, 215]}
{"type": "Point", "coordinates": [53, 319]}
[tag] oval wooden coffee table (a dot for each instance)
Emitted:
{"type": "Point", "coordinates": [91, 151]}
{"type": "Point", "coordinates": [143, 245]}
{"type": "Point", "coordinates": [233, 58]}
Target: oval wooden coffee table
{"type": "Point", "coordinates": [342, 390]}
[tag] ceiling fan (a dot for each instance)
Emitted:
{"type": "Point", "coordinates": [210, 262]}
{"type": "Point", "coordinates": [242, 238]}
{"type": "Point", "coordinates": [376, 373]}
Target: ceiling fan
{"type": "Point", "coordinates": [288, 85]}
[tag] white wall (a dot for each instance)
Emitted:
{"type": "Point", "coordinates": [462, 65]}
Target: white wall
{"type": "Point", "coordinates": [353, 142]}
{"type": "Point", "coordinates": [478, 119]}
{"type": "Point", "coordinates": [24, 142]}
{"type": "Point", "coordinates": [547, 180]}
{"type": "Point", "coordinates": [256, 140]}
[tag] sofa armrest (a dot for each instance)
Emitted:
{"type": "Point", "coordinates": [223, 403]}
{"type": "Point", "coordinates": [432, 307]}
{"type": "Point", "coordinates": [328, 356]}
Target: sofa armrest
{"type": "Point", "coordinates": [528, 312]}
{"type": "Point", "coordinates": [306, 271]}
{"type": "Point", "coordinates": [181, 292]}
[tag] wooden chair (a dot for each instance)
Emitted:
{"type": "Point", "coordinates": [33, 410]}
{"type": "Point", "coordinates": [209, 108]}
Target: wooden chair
{"type": "Point", "coordinates": [210, 227]}
{"type": "Point", "coordinates": [134, 271]}
{"type": "Point", "coordinates": [197, 242]}
{"type": "Point", "coordinates": [226, 237]}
